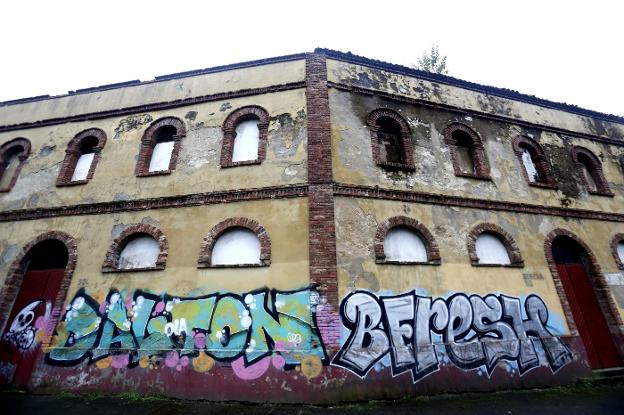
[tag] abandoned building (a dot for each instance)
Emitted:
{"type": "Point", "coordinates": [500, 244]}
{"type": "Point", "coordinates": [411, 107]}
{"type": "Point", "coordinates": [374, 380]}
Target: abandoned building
{"type": "Point", "coordinates": [308, 228]}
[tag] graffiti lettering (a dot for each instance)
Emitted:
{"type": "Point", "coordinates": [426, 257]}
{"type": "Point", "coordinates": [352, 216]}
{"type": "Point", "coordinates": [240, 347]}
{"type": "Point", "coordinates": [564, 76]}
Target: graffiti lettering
{"type": "Point", "coordinates": [250, 330]}
{"type": "Point", "coordinates": [473, 331]}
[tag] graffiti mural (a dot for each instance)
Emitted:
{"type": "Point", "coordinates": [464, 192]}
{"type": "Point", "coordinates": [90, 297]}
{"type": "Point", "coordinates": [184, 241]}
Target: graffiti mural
{"type": "Point", "coordinates": [471, 331]}
{"type": "Point", "coordinates": [253, 331]}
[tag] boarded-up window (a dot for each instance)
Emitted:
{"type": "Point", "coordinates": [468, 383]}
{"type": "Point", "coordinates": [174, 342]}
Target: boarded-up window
{"type": "Point", "coordinates": [161, 155]}
{"type": "Point", "coordinates": [11, 164]}
{"type": "Point", "coordinates": [491, 250]}
{"type": "Point", "coordinates": [140, 252]}
{"type": "Point", "coordinates": [620, 251]}
{"type": "Point", "coordinates": [82, 167]}
{"type": "Point", "coordinates": [246, 141]}
{"type": "Point", "coordinates": [237, 246]}
{"type": "Point", "coordinates": [404, 245]}
{"type": "Point", "coordinates": [529, 166]}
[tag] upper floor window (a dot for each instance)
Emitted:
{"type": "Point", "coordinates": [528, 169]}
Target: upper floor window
{"type": "Point", "coordinates": [81, 157]}
{"type": "Point", "coordinates": [245, 136]}
{"type": "Point", "coordinates": [491, 245]}
{"type": "Point", "coordinates": [390, 140]}
{"type": "Point", "coordinates": [589, 169]}
{"type": "Point", "coordinates": [403, 240]}
{"type": "Point", "coordinates": [13, 154]}
{"type": "Point", "coordinates": [617, 248]}
{"type": "Point", "coordinates": [467, 151]}
{"type": "Point", "coordinates": [236, 242]}
{"type": "Point", "coordinates": [139, 247]}
{"type": "Point", "coordinates": [160, 147]}
{"type": "Point", "coordinates": [535, 166]}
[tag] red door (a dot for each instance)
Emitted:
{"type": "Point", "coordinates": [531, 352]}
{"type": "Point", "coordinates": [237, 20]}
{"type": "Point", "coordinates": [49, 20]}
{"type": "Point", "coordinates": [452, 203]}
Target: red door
{"type": "Point", "coordinates": [590, 321]}
{"type": "Point", "coordinates": [20, 341]}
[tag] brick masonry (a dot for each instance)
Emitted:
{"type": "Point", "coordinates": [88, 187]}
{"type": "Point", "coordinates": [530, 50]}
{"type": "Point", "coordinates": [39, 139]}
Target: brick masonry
{"type": "Point", "coordinates": [617, 239]}
{"type": "Point", "coordinates": [477, 151]}
{"type": "Point", "coordinates": [149, 141]}
{"type": "Point", "coordinates": [433, 253]}
{"type": "Point", "coordinates": [407, 145]}
{"type": "Point", "coordinates": [73, 153]}
{"type": "Point", "coordinates": [111, 262]}
{"type": "Point", "coordinates": [595, 169]}
{"type": "Point", "coordinates": [19, 145]}
{"type": "Point", "coordinates": [539, 159]}
{"type": "Point", "coordinates": [510, 245]}
{"type": "Point", "coordinates": [251, 112]}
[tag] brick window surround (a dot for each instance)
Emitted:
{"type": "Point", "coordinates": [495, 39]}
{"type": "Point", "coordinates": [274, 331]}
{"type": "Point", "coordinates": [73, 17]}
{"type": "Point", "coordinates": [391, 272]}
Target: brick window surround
{"type": "Point", "coordinates": [431, 247]}
{"type": "Point", "coordinates": [149, 141]}
{"type": "Point", "coordinates": [594, 168]}
{"type": "Point", "coordinates": [510, 245]}
{"type": "Point", "coordinates": [406, 146]}
{"type": "Point", "coordinates": [477, 151]}
{"type": "Point", "coordinates": [73, 153]}
{"type": "Point", "coordinates": [111, 262]}
{"type": "Point", "coordinates": [19, 146]}
{"type": "Point", "coordinates": [542, 165]}
{"type": "Point", "coordinates": [205, 251]}
{"type": "Point", "coordinates": [617, 239]}
{"type": "Point", "coordinates": [598, 282]}
{"type": "Point", "coordinates": [251, 112]}
{"type": "Point", "coordinates": [18, 269]}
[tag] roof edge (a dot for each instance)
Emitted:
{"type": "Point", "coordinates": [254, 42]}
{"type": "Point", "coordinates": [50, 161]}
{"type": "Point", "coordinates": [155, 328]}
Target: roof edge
{"type": "Point", "coordinates": [449, 80]}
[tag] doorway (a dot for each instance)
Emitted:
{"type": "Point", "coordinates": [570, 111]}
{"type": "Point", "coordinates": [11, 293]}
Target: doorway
{"type": "Point", "coordinates": [30, 316]}
{"type": "Point", "coordinates": [574, 268]}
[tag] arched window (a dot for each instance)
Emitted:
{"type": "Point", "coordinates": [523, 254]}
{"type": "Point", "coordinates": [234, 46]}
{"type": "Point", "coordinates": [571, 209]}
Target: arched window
{"type": "Point", "coordinates": [81, 157]}
{"type": "Point", "coordinates": [13, 154]}
{"type": "Point", "coordinates": [533, 162]}
{"type": "Point", "coordinates": [390, 140]}
{"type": "Point", "coordinates": [403, 240]}
{"type": "Point", "coordinates": [491, 245]}
{"type": "Point", "coordinates": [140, 247]}
{"type": "Point", "coordinates": [617, 248]}
{"type": "Point", "coordinates": [160, 147]}
{"type": "Point", "coordinates": [236, 242]}
{"type": "Point", "coordinates": [245, 136]}
{"type": "Point", "coordinates": [467, 151]}
{"type": "Point", "coordinates": [589, 169]}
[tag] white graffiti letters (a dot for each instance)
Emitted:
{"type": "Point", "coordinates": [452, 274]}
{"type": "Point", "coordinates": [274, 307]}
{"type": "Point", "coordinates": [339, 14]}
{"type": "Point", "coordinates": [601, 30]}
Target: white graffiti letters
{"type": "Point", "coordinates": [473, 331]}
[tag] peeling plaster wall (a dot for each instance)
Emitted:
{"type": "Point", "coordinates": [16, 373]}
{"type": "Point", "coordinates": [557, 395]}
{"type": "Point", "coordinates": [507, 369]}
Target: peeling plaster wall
{"type": "Point", "coordinates": [383, 81]}
{"type": "Point", "coordinates": [198, 167]}
{"type": "Point", "coordinates": [353, 161]}
{"type": "Point", "coordinates": [357, 221]}
{"type": "Point", "coordinates": [184, 229]}
{"type": "Point", "coordinates": [153, 92]}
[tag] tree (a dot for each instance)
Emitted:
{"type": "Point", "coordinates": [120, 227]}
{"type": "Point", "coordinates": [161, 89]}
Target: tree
{"type": "Point", "coordinates": [432, 62]}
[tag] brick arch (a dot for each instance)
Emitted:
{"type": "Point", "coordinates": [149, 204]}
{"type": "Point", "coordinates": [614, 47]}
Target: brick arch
{"type": "Point", "coordinates": [73, 153]}
{"type": "Point", "coordinates": [229, 134]}
{"type": "Point", "coordinates": [9, 147]}
{"type": "Point", "coordinates": [205, 251]}
{"type": "Point", "coordinates": [431, 247]}
{"type": "Point", "coordinates": [18, 269]}
{"type": "Point", "coordinates": [617, 238]}
{"type": "Point", "coordinates": [539, 158]}
{"type": "Point", "coordinates": [479, 159]}
{"type": "Point", "coordinates": [407, 148]}
{"type": "Point", "coordinates": [148, 142]}
{"type": "Point", "coordinates": [111, 263]}
{"type": "Point", "coordinates": [510, 245]}
{"type": "Point", "coordinates": [602, 186]}
{"type": "Point", "coordinates": [599, 284]}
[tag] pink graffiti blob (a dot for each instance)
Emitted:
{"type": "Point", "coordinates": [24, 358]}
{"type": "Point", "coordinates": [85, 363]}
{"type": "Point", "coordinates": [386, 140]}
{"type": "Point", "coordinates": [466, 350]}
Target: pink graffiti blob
{"type": "Point", "coordinates": [174, 360]}
{"type": "Point", "coordinates": [158, 308]}
{"type": "Point", "coordinates": [120, 361]}
{"type": "Point", "coordinates": [278, 361]}
{"type": "Point", "coordinates": [251, 372]}
{"type": "Point", "coordinates": [103, 307]}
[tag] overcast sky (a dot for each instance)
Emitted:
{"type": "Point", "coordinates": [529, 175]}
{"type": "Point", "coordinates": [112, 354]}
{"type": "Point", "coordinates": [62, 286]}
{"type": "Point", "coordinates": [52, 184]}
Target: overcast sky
{"type": "Point", "coordinates": [566, 51]}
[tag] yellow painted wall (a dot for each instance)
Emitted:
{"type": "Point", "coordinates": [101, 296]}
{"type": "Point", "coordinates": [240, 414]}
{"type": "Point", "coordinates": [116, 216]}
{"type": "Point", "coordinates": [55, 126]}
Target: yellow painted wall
{"type": "Point", "coordinates": [357, 221]}
{"type": "Point", "coordinates": [198, 169]}
{"type": "Point", "coordinates": [154, 92]}
{"type": "Point", "coordinates": [185, 229]}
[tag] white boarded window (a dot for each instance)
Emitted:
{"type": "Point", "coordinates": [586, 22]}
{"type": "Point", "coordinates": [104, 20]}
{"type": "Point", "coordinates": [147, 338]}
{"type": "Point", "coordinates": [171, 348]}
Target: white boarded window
{"type": "Point", "coordinates": [620, 251]}
{"type": "Point", "coordinates": [236, 246]}
{"type": "Point", "coordinates": [491, 250]}
{"type": "Point", "coordinates": [161, 156]}
{"type": "Point", "coordinates": [529, 166]}
{"type": "Point", "coordinates": [140, 252]}
{"type": "Point", "coordinates": [246, 141]}
{"type": "Point", "coordinates": [404, 245]}
{"type": "Point", "coordinates": [82, 167]}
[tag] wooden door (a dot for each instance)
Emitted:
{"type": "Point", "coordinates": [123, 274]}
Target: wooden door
{"type": "Point", "coordinates": [590, 321]}
{"type": "Point", "coordinates": [20, 342]}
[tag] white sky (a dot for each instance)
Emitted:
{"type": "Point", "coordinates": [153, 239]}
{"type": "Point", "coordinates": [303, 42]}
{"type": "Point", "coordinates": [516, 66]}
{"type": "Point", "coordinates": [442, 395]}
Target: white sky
{"type": "Point", "coordinates": [566, 51]}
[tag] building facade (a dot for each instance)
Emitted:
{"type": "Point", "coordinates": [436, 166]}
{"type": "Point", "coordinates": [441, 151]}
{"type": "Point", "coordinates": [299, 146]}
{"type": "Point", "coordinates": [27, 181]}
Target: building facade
{"type": "Point", "coordinates": [314, 227]}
